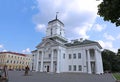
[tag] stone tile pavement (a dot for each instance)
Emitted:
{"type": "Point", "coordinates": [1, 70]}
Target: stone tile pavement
{"type": "Point", "coordinates": [18, 76]}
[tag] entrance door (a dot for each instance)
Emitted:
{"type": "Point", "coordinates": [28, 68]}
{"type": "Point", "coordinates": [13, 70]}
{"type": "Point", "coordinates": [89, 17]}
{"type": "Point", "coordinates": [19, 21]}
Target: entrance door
{"type": "Point", "coordinates": [48, 68]}
{"type": "Point", "coordinates": [93, 67]}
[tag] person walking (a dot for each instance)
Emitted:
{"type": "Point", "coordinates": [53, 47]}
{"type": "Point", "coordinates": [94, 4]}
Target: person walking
{"type": "Point", "coordinates": [26, 70]}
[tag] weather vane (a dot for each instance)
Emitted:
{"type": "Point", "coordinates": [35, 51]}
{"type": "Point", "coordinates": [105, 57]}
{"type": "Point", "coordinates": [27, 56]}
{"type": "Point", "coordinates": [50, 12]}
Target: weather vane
{"type": "Point", "coordinates": [56, 14]}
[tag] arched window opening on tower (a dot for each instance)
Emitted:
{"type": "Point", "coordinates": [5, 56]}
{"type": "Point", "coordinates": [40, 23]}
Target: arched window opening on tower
{"type": "Point", "coordinates": [51, 31]}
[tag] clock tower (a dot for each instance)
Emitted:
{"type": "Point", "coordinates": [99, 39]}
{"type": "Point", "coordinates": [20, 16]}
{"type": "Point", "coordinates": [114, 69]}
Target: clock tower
{"type": "Point", "coordinates": [55, 30]}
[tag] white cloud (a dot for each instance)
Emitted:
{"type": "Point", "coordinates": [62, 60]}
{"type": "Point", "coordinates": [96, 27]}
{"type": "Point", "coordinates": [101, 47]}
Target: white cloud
{"type": "Point", "coordinates": [27, 50]}
{"type": "Point", "coordinates": [118, 37]}
{"type": "Point", "coordinates": [98, 27]}
{"type": "Point", "coordinates": [82, 31]}
{"type": "Point", "coordinates": [75, 14]}
{"type": "Point", "coordinates": [109, 37]}
{"type": "Point", "coordinates": [1, 46]}
{"type": "Point", "coordinates": [4, 50]}
{"type": "Point", "coordinates": [107, 45]}
{"type": "Point", "coordinates": [40, 27]}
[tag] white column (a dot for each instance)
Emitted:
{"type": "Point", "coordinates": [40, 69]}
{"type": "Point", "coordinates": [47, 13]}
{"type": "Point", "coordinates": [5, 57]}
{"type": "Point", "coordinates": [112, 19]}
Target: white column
{"type": "Point", "coordinates": [89, 64]}
{"type": "Point", "coordinates": [41, 68]}
{"type": "Point", "coordinates": [51, 62]}
{"type": "Point", "coordinates": [58, 61]}
{"type": "Point", "coordinates": [37, 61]}
{"type": "Point", "coordinates": [98, 62]}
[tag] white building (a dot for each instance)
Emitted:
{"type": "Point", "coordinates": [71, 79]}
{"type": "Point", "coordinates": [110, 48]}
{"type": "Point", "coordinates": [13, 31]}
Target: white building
{"type": "Point", "coordinates": [55, 54]}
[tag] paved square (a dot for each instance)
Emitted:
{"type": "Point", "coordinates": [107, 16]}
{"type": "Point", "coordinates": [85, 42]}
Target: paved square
{"type": "Point", "coordinates": [18, 76]}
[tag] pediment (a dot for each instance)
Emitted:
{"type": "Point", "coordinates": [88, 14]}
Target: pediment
{"type": "Point", "coordinates": [47, 43]}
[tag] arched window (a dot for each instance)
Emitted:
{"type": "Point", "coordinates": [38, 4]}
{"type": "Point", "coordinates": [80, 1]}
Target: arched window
{"type": "Point", "coordinates": [51, 31]}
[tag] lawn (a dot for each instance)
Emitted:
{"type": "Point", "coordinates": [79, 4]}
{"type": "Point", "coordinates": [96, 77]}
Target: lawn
{"type": "Point", "coordinates": [117, 76]}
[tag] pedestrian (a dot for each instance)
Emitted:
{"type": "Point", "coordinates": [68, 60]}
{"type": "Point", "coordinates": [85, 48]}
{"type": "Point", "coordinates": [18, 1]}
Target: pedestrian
{"type": "Point", "coordinates": [26, 70]}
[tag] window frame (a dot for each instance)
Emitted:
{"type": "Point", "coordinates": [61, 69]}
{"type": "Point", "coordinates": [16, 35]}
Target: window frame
{"type": "Point", "coordinates": [79, 55]}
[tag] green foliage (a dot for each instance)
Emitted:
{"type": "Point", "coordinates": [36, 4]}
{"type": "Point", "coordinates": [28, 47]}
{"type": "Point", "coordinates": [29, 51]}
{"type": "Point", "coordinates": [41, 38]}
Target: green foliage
{"type": "Point", "coordinates": [118, 53]}
{"type": "Point", "coordinates": [111, 61]}
{"type": "Point", "coordinates": [110, 11]}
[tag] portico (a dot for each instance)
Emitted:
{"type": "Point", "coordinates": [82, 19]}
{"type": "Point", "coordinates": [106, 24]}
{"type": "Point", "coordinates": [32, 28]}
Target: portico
{"type": "Point", "coordinates": [49, 60]}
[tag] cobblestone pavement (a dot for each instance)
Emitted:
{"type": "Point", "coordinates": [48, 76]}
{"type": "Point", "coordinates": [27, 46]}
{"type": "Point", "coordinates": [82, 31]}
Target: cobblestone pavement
{"type": "Point", "coordinates": [18, 76]}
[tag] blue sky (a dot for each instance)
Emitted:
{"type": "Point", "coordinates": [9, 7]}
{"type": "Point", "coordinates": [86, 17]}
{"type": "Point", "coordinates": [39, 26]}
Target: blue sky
{"type": "Point", "coordinates": [23, 23]}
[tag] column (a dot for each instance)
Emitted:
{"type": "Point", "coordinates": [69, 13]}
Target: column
{"type": "Point", "coordinates": [89, 63]}
{"type": "Point", "coordinates": [41, 68]}
{"type": "Point", "coordinates": [98, 62]}
{"type": "Point", "coordinates": [33, 63]}
{"type": "Point", "coordinates": [51, 61]}
{"type": "Point", "coordinates": [37, 61]}
{"type": "Point", "coordinates": [58, 61]}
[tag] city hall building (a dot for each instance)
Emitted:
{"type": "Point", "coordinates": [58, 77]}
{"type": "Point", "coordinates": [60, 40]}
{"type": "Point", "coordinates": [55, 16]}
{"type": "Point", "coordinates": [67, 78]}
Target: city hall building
{"type": "Point", "coordinates": [56, 54]}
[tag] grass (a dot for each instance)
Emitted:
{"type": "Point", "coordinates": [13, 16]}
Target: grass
{"type": "Point", "coordinates": [117, 76]}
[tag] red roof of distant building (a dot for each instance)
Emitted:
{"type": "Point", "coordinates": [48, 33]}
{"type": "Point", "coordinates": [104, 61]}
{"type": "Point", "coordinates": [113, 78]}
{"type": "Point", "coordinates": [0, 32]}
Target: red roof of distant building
{"type": "Point", "coordinates": [15, 53]}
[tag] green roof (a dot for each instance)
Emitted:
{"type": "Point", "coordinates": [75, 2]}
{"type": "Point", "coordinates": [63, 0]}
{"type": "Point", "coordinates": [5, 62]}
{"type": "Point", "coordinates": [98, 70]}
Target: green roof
{"type": "Point", "coordinates": [84, 42]}
{"type": "Point", "coordinates": [55, 20]}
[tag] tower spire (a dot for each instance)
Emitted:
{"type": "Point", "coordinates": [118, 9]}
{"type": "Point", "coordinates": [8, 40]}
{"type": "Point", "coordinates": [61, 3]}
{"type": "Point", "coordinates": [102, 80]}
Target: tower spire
{"type": "Point", "coordinates": [56, 14]}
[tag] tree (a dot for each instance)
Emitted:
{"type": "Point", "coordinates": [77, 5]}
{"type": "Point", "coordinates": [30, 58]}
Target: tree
{"type": "Point", "coordinates": [110, 11]}
{"type": "Point", "coordinates": [118, 53]}
{"type": "Point", "coordinates": [107, 57]}
{"type": "Point", "coordinates": [111, 61]}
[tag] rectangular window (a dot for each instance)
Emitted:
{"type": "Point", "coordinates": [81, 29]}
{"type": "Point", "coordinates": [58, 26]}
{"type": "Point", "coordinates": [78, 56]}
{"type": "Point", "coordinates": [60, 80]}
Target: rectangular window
{"type": "Point", "coordinates": [7, 61]}
{"type": "Point", "coordinates": [74, 56]}
{"type": "Point", "coordinates": [49, 55]}
{"type": "Point", "coordinates": [69, 56]}
{"type": "Point", "coordinates": [63, 56]}
{"type": "Point", "coordinates": [74, 67]}
{"type": "Point", "coordinates": [79, 55]}
{"type": "Point", "coordinates": [70, 67]}
{"type": "Point", "coordinates": [79, 68]}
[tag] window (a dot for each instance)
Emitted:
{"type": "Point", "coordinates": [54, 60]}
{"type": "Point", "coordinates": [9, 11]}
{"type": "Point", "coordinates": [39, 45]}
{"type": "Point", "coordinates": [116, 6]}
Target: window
{"type": "Point", "coordinates": [79, 55]}
{"type": "Point", "coordinates": [79, 68]}
{"type": "Point", "coordinates": [74, 67]}
{"type": "Point", "coordinates": [49, 55]}
{"type": "Point", "coordinates": [70, 67]}
{"type": "Point", "coordinates": [69, 56]}
{"type": "Point", "coordinates": [60, 31]}
{"type": "Point", "coordinates": [74, 56]}
{"type": "Point", "coordinates": [14, 62]}
{"type": "Point", "coordinates": [51, 31]}
{"type": "Point", "coordinates": [7, 61]}
{"type": "Point", "coordinates": [11, 61]}
{"type": "Point", "coordinates": [64, 56]}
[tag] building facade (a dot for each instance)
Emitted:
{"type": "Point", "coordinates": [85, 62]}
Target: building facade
{"type": "Point", "coordinates": [56, 54]}
{"type": "Point", "coordinates": [15, 61]}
